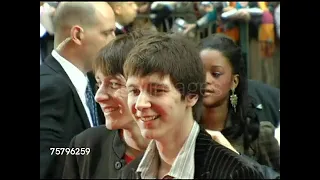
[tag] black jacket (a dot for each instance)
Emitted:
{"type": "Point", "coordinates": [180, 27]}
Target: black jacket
{"type": "Point", "coordinates": [105, 159]}
{"type": "Point", "coordinates": [62, 116]}
{"type": "Point", "coordinates": [267, 101]}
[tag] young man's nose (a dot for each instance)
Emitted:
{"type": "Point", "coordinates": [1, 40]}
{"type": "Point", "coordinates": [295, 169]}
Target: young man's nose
{"type": "Point", "coordinates": [142, 102]}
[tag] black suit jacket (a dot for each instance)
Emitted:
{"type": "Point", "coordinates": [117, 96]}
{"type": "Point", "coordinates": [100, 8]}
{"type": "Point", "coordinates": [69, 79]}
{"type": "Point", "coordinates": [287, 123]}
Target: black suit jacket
{"type": "Point", "coordinates": [62, 116]}
{"type": "Point", "coordinates": [212, 161]}
{"type": "Point", "coordinates": [105, 159]}
{"type": "Point", "coordinates": [269, 98]}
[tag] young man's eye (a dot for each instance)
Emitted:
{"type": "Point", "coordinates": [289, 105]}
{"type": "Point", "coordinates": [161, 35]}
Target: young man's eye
{"type": "Point", "coordinates": [134, 91]}
{"type": "Point", "coordinates": [157, 91]}
{"type": "Point", "coordinates": [97, 85]}
{"type": "Point", "coordinates": [115, 85]}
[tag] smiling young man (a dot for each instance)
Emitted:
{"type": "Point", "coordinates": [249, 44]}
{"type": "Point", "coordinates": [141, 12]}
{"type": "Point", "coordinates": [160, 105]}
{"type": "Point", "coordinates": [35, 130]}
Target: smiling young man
{"type": "Point", "coordinates": [164, 79]}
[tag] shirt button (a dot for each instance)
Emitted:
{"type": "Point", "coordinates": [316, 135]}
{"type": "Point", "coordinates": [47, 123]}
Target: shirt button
{"type": "Point", "coordinates": [118, 165]}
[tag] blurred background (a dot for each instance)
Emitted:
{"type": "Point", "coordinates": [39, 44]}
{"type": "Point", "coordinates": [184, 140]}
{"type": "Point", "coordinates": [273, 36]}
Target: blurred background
{"type": "Point", "coordinates": [255, 26]}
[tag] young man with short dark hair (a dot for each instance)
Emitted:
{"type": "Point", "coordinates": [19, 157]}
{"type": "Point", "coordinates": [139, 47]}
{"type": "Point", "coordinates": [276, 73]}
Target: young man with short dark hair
{"type": "Point", "coordinates": [164, 81]}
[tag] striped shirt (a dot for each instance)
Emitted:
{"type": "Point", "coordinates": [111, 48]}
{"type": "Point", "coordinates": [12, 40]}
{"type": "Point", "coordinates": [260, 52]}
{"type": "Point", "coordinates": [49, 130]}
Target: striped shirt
{"type": "Point", "coordinates": [182, 168]}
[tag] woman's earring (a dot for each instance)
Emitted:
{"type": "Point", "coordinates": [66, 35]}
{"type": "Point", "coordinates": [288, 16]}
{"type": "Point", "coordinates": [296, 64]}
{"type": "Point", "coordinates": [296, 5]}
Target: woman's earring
{"type": "Point", "coordinates": [234, 100]}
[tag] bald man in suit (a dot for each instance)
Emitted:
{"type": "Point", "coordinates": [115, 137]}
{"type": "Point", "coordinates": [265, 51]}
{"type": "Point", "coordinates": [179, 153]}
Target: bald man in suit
{"type": "Point", "coordinates": [67, 105]}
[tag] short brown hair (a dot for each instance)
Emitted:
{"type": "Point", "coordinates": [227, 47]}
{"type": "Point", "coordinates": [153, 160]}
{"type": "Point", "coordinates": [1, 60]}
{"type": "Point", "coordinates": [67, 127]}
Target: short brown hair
{"type": "Point", "coordinates": [111, 58]}
{"type": "Point", "coordinates": [173, 55]}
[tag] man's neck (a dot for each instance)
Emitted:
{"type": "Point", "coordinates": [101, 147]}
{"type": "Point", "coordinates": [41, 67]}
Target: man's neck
{"type": "Point", "coordinates": [69, 56]}
{"type": "Point", "coordinates": [215, 118]}
{"type": "Point", "coordinates": [135, 142]}
{"type": "Point", "coordinates": [170, 146]}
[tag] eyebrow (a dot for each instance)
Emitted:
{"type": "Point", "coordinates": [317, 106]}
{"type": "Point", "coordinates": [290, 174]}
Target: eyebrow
{"type": "Point", "coordinates": [216, 67]}
{"type": "Point", "coordinates": [158, 85]}
{"type": "Point", "coordinates": [108, 78]}
{"type": "Point", "coordinates": [131, 86]}
{"type": "Point", "coordinates": [150, 85]}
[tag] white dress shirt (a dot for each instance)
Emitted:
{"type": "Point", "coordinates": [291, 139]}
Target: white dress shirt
{"type": "Point", "coordinates": [78, 79]}
{"type": "Point", "coordinates": [119, 26]}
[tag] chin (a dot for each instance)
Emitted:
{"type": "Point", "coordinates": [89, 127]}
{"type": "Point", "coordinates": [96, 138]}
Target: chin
{"type": "Point", "coordinates": [147, 134]}
{"type": "Point", "coordinates": [150, 134]}
{"type": "Point", "coordinates": [208, 102]}
{"type": "Point", "coordinates": [115, 124]}
{"type": "Point", "coordinates": [110, 126]}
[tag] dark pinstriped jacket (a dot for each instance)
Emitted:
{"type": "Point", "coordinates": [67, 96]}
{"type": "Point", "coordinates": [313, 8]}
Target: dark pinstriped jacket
{"type": "Point", "coordinates": [212, 161]}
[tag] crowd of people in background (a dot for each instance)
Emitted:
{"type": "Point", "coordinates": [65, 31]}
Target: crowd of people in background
{"type": "Point", "coordinates": [103, 89]}
{"type": "Point", "coordinates": [194, 19]}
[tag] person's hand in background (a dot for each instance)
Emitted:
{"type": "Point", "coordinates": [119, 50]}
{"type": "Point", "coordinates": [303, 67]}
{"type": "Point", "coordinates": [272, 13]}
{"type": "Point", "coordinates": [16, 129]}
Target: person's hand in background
{"type": "Point", "coordinates": [243, 14]}
{"type": "Point", "coordinates": [144, 8]}
{"type": "Point", "coordinates": [188, 28]}
{"type": "Point", "coordinates": [46, 15]}
{"type": "Point", "coordinates": [217, 136]}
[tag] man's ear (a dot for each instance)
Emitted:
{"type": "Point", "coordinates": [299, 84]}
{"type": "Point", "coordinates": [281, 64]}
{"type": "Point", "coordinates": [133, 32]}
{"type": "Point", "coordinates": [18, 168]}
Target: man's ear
{"type": "Point", "coordinates": [192, 99]}
{"type": "Point", "coordinates": [117, 9]}
{"type": "Point", "coordinates": [76, 34]}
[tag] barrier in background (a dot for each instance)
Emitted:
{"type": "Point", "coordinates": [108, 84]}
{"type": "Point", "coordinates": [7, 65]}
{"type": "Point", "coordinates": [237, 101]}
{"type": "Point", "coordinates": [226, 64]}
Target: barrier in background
{"type": "Point", "coordinates": [252, 59]}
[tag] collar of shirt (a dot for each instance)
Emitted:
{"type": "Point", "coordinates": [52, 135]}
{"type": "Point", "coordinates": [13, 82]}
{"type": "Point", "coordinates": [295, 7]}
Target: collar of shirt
{"type": "Point", "coordinates": [182, 168]}
{"type": "Point", "coordinates": [119, 26]}
{"type": "Point", "coordinates": [77, 77]}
